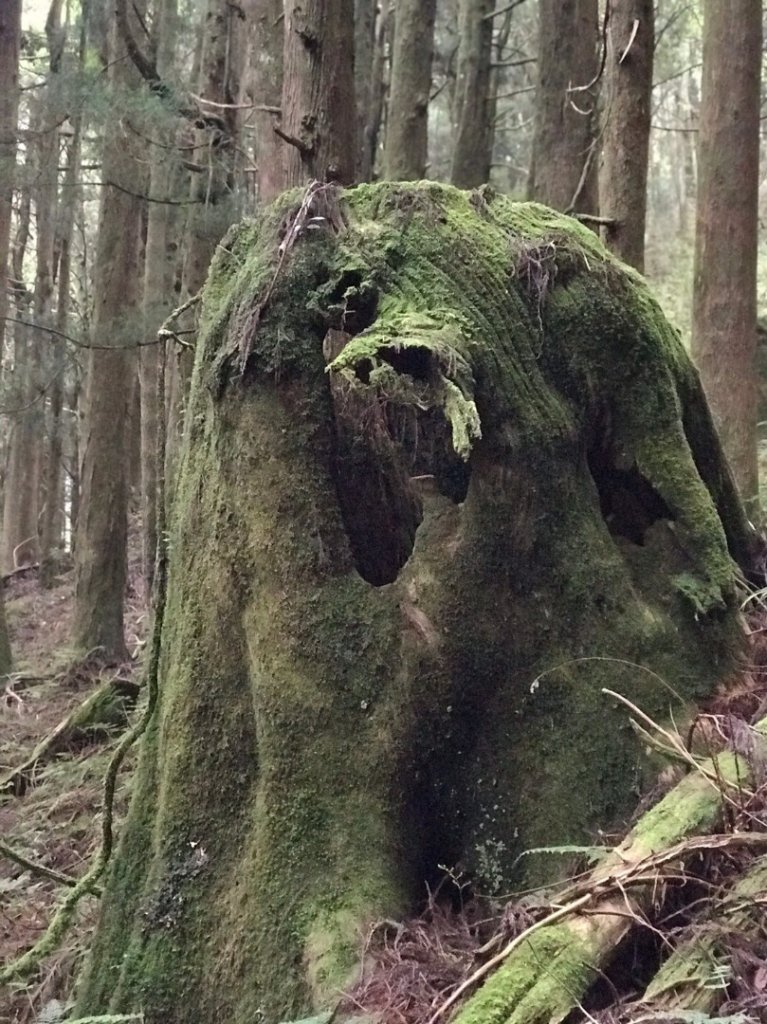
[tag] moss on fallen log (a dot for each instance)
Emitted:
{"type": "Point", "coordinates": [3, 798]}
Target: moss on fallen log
{"type": "Point", "coordinates": [697, 974]}
{"type": "Point", "coordinates": [548, 974]}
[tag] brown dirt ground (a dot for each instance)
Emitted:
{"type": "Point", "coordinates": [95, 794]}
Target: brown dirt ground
{"type": "Point", "coordinates": [56, 822]}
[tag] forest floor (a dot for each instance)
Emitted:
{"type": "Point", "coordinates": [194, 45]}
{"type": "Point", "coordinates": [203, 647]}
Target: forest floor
{"type": "Point", "coordinates": [55, 823]}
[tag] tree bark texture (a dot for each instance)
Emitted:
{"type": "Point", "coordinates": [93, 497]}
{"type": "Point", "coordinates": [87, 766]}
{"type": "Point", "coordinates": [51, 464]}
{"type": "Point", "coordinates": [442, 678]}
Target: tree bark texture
{"type": "Point", "coordinates": [563, 170]}
{"type": "Point", "coordinates": [406, 152]}
{"type": "Point", "coordinates": [427, 510]}
{"type": "Point", "coordinates": [726, 230]}
{"type": "Point", "coordinates": [10, 36]}
{"type": "Point", "coordinates": [216, 136]}
{"type": "Point", "coordinates": [626, 131]}
{"type": "Point", "coordinates": [63, 217]}
{"type": "Point", "coordinates": [265, 63]}
{"type": "Point", "coordinates": [365, 85]}
{"type": "Point", "coordinates": [100, 549]}
{"type": "Point", "coordinates": [473, 104]}
{"type": "Point", "coordinates": [161, 261]}
{"type": "Point", "coordinates": [318, 109]}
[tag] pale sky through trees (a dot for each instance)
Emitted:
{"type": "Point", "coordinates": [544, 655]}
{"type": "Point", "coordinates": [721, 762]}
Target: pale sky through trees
{"type": "Point", "coordinates": [33, 13]}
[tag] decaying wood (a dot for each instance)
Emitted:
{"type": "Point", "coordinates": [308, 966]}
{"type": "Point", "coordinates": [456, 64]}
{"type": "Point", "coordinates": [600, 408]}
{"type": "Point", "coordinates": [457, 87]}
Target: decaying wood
{"type": "Point", "coordinates": [576, 940]}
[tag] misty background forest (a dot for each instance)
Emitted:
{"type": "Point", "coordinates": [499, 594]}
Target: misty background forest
{"type": "Point", "coordinates": [383, 463]}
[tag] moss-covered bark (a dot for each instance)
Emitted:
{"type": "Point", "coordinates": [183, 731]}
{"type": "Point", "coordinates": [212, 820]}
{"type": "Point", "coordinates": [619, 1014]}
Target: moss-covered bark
{"type": "Point", "coordinates": [339, 714]}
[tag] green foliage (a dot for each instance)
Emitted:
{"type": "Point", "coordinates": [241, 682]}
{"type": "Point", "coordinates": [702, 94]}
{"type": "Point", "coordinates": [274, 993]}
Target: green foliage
{"type": "Point", "coordinates": [592, 854]}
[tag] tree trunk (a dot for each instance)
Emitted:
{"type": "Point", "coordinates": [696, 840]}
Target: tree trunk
{"type": "Point", "coordinates": [626, 131]}
{"type": "Point", "coordinates": [407, 124]}
{"type": "Point", "coordinates": [372, 128]}
{"type": "Point", "coordinates": [216, 139]}
{"type": "Point", "coordinates": [212, 191]}
{"type": "Point", "coordinates": [473, 102]}
{"type": "Point", "coordinates": [726, 230]}
{"type": "Point", "coordinates": [160, 265]}
{"type": "Point", "coordinates": [563, 169]}
{"type": "Point", "coordinates": [10, 35]}
{"type": "Point", "coordinates": [100, 550]}
{"type": "Point", "coordinates": [267, 45]}
{"type": "Point", "coordinates": [365, 84]}
{"type": "Point", "coordinates": [22, 479]}
{"type": "Point", "coordinates": [58, 248]}
{"type": "Point", "coordinates": [318, 110]}
{"type": "Point", "coordinates": [399, 583]}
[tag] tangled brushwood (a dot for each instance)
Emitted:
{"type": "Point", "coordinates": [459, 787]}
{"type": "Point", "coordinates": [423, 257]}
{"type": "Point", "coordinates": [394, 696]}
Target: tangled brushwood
{"type": "Point", "coordinates": [666, 925]}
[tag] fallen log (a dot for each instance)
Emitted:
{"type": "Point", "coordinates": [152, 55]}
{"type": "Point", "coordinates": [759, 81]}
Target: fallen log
{"type": "Point", "coordinates": [544, 973]}
{"type": "Point", "coordinates": [696, 975]}
{"type": "Point", "coordinates": [105, 710]}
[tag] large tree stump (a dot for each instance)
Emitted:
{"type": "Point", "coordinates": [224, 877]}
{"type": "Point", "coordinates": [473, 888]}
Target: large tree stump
{"type": "Point", "coordinates": [447, 473]}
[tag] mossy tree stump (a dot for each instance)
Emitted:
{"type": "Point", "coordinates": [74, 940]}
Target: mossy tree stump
{"type": "Point", "coordinates": [447, 473]}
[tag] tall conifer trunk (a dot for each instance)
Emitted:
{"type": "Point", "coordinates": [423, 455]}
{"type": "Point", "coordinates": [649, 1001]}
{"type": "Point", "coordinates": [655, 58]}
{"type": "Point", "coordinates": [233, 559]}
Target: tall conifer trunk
{"type": "Point", "coordinates": [473, 101]}
{"type": "Point", "coordinates": [58, 246]}
{"type": "Point", "coordinates": [407, 123]}
{"type": "Point", "coordinates": [318, 111]}
{"type": "Point", "coordinates": [10, 35]}
{"type": "Point", "coordinates": [267, 48]}
{"type": "Point", "coordinates": [160, 264]}
{"type": "Point", "coordinates": [563, 171]}
{"type": "Point", "coordinates": [100, 552]}
{"type": "Point", "coordinates": [626, 132]}
{"type": "Point", "coordinates": [364, 81]}
{"type": "Point", "coordinates": [21, 504]}
{"type": "Point", "coordinates": [726, 231]}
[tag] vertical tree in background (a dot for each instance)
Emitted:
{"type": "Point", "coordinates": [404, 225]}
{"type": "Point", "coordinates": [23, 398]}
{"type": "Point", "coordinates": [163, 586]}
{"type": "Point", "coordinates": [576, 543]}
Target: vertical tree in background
{"type": "Point", "coordinates": [364, 81]}
{"type": "Point", "coordinates": [724, 296]}
{"type": "Point", "coordinates": [407, 121]}
{"type": "Point", "coordinates": [370, 114]}
{"type": "Point", "coordinates": [472, 154]}
{"type": "Point", "coordinates": [563, 169]}
{"type": "Point", "coordinates": [265, 62]}
{"type": "Point", "coordinates": [160, 264]}
{"type": "Point", "coordinates": [224, 33]}
{"type": "Point", "coordinates": [626, 132]}
{"type": "Point", "coordinates": [212, 194]}
{"type": "Point", "coordinates": [10, 35]}
{"type": "Point", "coordinates": [318, 110]}
{"type": "Point", "coordinates": [21, 481]}
{"type": "Point", "coordinates": [100, 551]}
{"type": "Point", "coordinates": [54, 229]}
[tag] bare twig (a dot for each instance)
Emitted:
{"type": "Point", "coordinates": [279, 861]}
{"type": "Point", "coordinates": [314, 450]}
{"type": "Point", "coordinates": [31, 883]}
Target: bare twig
{"type": "Point", "coordinates": [304, 148]}
{"type": "Point", "coordinates": [36, 869]}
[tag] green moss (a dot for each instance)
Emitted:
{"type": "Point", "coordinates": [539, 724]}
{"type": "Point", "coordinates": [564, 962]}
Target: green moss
{"type": "Point", "coordinates": [322, 743]}
{"type": "Point", "coordinates": [519, 992]}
